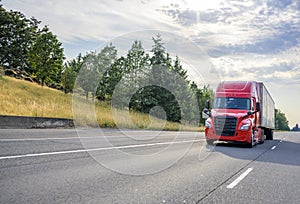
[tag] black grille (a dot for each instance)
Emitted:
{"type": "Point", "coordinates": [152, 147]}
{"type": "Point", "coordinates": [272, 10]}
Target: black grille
{"type": "Point", "coordinates": [225, 126]}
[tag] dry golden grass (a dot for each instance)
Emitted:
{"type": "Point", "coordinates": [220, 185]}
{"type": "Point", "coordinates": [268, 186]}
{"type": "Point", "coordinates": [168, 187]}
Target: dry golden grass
{"type": "Point", "coordinates": [24, 98]}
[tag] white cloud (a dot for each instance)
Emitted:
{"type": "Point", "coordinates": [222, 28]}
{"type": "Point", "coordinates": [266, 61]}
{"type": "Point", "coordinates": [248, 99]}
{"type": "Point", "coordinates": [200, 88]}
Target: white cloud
{"type": "Point", "coordinates": [93, 20]}
{"type": "Point", "coordinates": [229, 24]}
{"type": "Point", "coordinates": [282, 66]}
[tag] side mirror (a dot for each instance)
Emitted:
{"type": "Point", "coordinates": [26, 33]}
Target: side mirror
{"type": "Point", "coordinates": [205, 113]}
{"type": "Point", "coordinates": [207, 104]}
{"type": "Point", "coordinates": [257, 106]}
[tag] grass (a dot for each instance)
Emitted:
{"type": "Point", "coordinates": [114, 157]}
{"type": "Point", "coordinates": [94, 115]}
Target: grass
{"type": "Point", "coordinates": [22, 98]}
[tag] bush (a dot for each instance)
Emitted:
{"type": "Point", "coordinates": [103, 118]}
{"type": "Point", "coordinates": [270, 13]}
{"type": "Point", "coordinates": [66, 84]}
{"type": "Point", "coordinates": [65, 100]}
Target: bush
{"type": "Point", "coordinates": [1, 72]}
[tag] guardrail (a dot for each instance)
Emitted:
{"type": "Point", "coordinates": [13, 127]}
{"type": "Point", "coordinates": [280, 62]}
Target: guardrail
{"type": "Point", "coordinates": [25, 122]}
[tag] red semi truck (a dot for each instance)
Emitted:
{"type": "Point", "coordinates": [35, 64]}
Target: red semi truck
{"type": "Point", "coordinates": [243, 112]}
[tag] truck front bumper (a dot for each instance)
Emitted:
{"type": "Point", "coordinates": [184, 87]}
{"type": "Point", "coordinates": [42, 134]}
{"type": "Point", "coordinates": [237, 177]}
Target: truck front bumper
{"type": "Point", "coordinates": [240, 136]}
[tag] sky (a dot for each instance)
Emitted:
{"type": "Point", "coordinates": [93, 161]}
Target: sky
{"type": "Point", "coordinates": [243, 40]}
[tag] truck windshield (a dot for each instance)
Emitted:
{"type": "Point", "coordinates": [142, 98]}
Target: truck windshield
{"type": "Point", "coordinates": [232, 103]}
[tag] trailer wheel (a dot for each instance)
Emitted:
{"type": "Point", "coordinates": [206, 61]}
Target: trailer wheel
{"type": "Point", "coordinates": [269, 134]}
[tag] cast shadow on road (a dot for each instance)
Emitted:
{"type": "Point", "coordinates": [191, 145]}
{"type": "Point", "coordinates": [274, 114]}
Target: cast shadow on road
{"type": "Point", "coordinates": [286, 152]}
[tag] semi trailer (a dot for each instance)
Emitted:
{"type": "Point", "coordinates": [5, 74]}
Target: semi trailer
{"type": "Point", "coordinates": [242, 112]}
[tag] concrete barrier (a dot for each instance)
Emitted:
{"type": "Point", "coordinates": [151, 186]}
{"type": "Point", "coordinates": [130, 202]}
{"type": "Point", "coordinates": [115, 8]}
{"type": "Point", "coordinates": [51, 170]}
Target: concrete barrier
{"type": "Point", "coordinates": [24, 122]}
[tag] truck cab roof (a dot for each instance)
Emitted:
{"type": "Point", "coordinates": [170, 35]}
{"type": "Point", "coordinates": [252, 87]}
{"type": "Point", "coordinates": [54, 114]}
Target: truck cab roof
{"type": "Point", "coordinates": [246, 89]}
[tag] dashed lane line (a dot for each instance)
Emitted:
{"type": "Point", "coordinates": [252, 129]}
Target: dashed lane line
{"type": "Point", "coordinates": [240, 178]}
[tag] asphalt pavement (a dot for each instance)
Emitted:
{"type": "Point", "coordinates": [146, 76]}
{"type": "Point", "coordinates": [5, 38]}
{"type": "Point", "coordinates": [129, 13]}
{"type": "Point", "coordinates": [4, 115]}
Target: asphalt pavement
{"type": "Point", "coordinates": [126, 166]}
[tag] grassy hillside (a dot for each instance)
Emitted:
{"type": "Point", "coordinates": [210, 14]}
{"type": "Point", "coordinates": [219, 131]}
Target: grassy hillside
{"type": "Point", "coordinates": [24, 98]}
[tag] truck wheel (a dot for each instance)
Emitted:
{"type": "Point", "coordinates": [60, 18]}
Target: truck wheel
{"type": "Point", "coordinates": [252, 142]}
{"type": "Point", "coordinates": [262, 140]}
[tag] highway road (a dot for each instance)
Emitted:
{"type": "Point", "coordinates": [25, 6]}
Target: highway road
{"type": "Point", "coordinates": [110, 166]}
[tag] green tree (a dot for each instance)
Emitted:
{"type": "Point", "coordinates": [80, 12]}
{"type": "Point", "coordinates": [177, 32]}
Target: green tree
{"type": "Point", "coordinates": [167, 82]}
{"type": "Point", "coordinates": [177, 68]}
{"type": "Point", "coordinates": [129, 74]}
{"type": "Point", "coordinates": [137, 64]}
{"type": "Point", "coordinates": [281, 122]}
{"type": "Point", "coordinates": [89, 75]}
{"type": "Point", "coordinates": [109, 69]}
{"type": "Point", "coordinates": [188, 108]}
{"type": "Point", "coordinates": [76, 63]}
{"type": "Point", "coordinates": [160, 93]}
{"type": "Point", "coordinates": [16, 36]}
{"type": "Point", "coordinates": [107, 57]}
{"type": "Point", "coordinates": [69, 73]}
{"type": "Point", "coordinates": [110, 79]}
{"type": "Point", "coordinates": [158, 50]}
{"type": "Point", "coordinates": [46, 57]}
{"type": "Point", "coordinates": [159, 61]}
{"type": "Point", "coordinates": [169, 85]}
{"type": "Point", "coordinates": [1, 72]}
{"type": "Point", "coordinates": [137, 72]}
{"type": "Point", "coordinates": [202, 94]}
{"type": "Point", "coordinates": [68, 78]}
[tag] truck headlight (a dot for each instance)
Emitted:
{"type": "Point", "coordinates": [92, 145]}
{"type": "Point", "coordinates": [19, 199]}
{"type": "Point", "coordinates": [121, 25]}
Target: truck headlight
{"type": "Point", "coordinates": [208, 123]}
{"type": "Point", "coordinates": [245, 126]}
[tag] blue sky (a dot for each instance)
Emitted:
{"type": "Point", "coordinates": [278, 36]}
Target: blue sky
{"type": "Point", "coordinates": [244, 40]}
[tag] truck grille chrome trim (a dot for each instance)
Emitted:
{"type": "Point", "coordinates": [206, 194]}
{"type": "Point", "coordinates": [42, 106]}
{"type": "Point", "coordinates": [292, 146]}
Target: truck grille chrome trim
{"type": "Point", "coordinates": [225, 125]}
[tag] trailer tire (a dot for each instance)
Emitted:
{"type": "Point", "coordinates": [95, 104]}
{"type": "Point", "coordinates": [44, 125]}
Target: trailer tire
{"type": "Point", "coordinates": [269, 134]}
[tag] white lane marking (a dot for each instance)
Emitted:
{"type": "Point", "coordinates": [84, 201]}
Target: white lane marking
{"type": "Point", "coordinates": [49, 138]}
{"type": "Point", "coordinates": [62, 138]}
{"type": "Point", "coordinates": [280, 141]}
{"type": "Point", "coordinates": [273, 147]}
{"type": "Point", "coordinates": [241, 177]}
{"type": "Point", "coordinates": [96, 149]}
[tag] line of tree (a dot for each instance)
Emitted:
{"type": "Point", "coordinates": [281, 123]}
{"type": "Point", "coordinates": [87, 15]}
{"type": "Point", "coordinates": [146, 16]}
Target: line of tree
{"type": "Point", "coordinates": [138, 81]}
{"type": "Point", "coordinates": [281, 122]}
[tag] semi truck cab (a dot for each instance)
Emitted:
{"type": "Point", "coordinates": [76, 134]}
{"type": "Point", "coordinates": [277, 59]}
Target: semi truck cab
{"type": "Point", "coordinates": [242, 112]}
